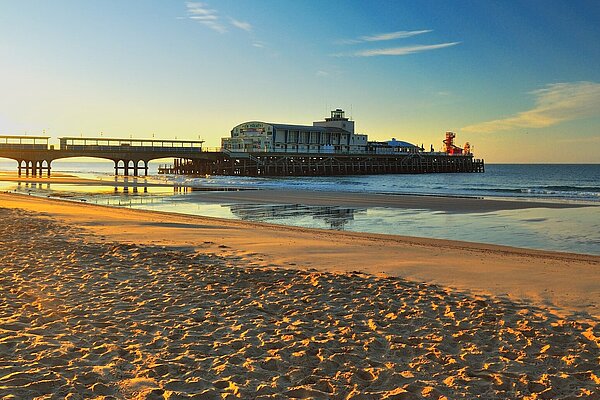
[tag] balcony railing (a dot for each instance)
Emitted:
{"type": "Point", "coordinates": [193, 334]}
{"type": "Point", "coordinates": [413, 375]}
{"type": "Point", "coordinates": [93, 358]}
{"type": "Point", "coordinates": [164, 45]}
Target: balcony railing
{"type": "Point", "coordinates": [23, 146]}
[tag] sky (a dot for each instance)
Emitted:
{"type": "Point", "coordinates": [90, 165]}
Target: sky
{"type": "Point", "coordinates": [519, 80]}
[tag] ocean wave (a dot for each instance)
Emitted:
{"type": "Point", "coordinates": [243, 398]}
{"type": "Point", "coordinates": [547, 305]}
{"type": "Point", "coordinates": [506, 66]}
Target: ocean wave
{"type": "Point", "coordinates": [564, 192]}
{"type": "Point", "coordinates": [592, 189]}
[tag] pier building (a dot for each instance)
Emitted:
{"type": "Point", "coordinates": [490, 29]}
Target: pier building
{"type": "Point", "coordinates": [333, 135]}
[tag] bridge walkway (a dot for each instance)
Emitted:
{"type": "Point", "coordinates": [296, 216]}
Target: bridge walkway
{"type": "Point", "coordinates": [34, 155]}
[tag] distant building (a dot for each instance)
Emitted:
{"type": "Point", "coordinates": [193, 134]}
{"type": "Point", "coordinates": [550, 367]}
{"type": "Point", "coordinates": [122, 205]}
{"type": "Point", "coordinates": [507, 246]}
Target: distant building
{"type": "Point", "coordinates": [334, 135]}
{"type": "Point", "coordinates": [392, 146]}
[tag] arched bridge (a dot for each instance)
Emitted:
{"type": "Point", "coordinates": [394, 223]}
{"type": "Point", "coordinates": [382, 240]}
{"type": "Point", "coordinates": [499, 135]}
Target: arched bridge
{"type": "Point", "coordinates": [34, 156]}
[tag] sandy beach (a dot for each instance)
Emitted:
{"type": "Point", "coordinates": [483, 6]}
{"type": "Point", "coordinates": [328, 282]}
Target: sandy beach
{"type": "Point", "coordinates": [122, 303]}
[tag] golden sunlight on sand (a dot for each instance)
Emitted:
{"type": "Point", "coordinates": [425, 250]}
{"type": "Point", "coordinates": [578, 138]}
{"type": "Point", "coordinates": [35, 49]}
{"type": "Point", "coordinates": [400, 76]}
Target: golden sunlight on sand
{"type": "Point", "coordinates": [82, 317]}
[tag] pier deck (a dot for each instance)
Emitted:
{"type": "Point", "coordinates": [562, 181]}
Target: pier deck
{"type": "Point", "coordinates": [310, 164]}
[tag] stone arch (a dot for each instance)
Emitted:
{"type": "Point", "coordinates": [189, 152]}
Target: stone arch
{"type": "Point", "coordinates": [119, 165]}
{"type": "Point", "coordinates": [140, 166]}
{"type": "Point", "coordinates": [45, 165]}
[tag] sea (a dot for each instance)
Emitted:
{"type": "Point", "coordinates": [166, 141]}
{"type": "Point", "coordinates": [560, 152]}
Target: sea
{"type": "Point", "coordinates": [575, 229]}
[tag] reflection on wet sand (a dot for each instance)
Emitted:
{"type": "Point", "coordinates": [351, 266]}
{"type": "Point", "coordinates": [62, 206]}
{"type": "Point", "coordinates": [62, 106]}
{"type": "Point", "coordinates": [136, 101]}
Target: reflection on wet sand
{"type": "Point", "coordinates": [29, 186]}
{"type": "Point", "coordinates": [336, 217]}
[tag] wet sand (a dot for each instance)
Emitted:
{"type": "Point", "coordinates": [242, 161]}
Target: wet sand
{"type": "Point", "coordinates": [347, 199]}
{"type": "Point", "coordinates": [66, 179]}
{"type": "Point", "coordinates": [99, 302]}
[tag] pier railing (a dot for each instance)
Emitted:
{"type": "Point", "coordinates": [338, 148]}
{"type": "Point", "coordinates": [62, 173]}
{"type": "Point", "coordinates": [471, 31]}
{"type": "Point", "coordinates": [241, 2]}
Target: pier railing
{"type": "Point", "coordinates": [137, 145]}
{"type": "Point", "coordinates": [13, 142]}
{"type": "Point", "coordinates": [333, 152]}
{"type": "Point", "coordinates": [17, 146]}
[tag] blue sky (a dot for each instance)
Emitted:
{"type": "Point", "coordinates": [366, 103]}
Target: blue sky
{"type": "Point", "coordinates": [519, 80]}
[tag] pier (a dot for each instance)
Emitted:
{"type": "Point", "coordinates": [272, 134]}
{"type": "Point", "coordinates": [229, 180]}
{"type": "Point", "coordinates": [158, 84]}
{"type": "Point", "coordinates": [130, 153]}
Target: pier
{"type": "Point", "coordinates": [34, 157]}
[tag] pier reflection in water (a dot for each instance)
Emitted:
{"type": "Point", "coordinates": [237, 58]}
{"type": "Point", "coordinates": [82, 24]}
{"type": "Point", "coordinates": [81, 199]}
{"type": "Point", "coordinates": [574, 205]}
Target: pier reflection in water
{"type": "Point", "coordinates": [335, 217]}
{"type": "Point", "coordinates": [118, 193]}
{"type": "Point", "coordinates": [32, 186]}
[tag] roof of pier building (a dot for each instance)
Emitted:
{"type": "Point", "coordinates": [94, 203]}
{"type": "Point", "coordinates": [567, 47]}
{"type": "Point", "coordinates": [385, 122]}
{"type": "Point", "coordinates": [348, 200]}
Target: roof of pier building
{"type": "Point", "coordinates": [337, 123]}
{"type": "Point", "coordinates": [289, 127]}
{"type": "Point", "coordinates": [400, 143]}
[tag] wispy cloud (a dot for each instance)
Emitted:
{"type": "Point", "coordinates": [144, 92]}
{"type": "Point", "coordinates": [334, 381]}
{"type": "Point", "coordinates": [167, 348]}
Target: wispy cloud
{"type": "Point", "coordinates": [384, 36]}
{"type": "Point", "coordinates": [397, 51]}
{"type": "Point", "coordinates": [204, 14]}
{"type": "Point", "coordinates": [554, 104]}
{"type": "Point", "coordinates": [209, 17]}
{"type": "Point", "coordinates": [246, 26]}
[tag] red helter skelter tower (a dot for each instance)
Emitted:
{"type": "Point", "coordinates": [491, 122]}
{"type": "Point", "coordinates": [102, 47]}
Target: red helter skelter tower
{"type": "Point", "coordinates": [449, 147]}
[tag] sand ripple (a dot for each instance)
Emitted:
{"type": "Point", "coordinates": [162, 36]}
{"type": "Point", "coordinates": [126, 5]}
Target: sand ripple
{"type": "Point", "coordinates": [82, 319]}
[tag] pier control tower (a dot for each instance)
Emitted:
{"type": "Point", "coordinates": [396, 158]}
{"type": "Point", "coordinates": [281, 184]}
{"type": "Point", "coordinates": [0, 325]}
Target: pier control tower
{"type": "Point", "coordinates": [337, 120]}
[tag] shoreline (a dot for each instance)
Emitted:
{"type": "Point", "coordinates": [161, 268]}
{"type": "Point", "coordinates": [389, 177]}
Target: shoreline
{"type": "Point", "coordinates": [525, 223]}
{"type": "Point", "coordinates": [416, 240]}
{"type": "Point", "coordinates": [566, 283]}
{"type": "Point", "coordinates": [417, 201]}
